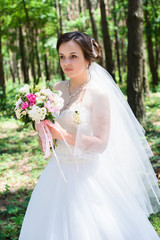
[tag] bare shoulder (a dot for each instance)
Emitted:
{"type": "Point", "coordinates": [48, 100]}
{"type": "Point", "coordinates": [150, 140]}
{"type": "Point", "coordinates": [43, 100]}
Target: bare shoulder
{"type": "Point", "coordinates": [60, 85]}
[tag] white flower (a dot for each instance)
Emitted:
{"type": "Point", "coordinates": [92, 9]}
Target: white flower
{"type": "Point", "coordinates": [24, 112]}
{"type": "Point", "coordinates": [47, 92]}
{"type": "Point", "coordinates": [18, 113]}
{"type": "Point", "coordinates": [37, 114]}
{"type": "Point", "coordinates": [59, 93]}
{"type": "Point", "coordinates": [43, 97]}
{"type": "Point", "coordinates": [39, 99]}
{"type": "Point", "coordinates": [24, 89]}
{"type": "Point", "coordinates": [58, 101]}
{"type": "Point", "coordinates": [18, 103]}
{"type": "Point", "coordinates": [43, 113]}
{"type": "Point", "coordinates": [38, 94]}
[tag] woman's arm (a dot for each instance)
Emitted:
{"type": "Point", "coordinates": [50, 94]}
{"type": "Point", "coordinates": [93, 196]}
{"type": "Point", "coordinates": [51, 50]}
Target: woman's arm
{"type": "Point", "coordinates": [100, 125]}
{"type": "Point", "coordinates": [71, 137]}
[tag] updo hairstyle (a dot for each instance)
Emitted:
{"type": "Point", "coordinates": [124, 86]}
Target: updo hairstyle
{"type": "Point", "coordinates": [88, 45]}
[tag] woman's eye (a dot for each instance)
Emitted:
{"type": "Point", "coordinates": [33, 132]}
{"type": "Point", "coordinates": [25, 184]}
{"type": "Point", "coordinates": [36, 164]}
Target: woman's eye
{"type": "Point", "coordinates": [74, 56]}
{"type": "Point", "coordinates": [61, 57]}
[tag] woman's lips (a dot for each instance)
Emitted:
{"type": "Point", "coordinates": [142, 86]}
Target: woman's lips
{"type": "Point", "coordinates": [68, 69]}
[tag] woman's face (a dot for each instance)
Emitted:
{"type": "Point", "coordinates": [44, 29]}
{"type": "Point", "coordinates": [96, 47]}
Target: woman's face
{"type": "Point", "coordinates": [72, 60]}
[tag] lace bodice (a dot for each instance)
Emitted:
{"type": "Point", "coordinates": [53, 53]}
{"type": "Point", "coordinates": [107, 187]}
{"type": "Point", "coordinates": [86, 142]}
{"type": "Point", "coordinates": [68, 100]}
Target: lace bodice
{"type": "Point", "coordinates": [69, 120]}
{"type": "Point", "coordinates": [86, 117]}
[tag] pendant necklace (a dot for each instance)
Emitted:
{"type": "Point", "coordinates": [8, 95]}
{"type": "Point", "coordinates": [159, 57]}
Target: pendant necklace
{"type": "Point", "coordinates": [74, 94]}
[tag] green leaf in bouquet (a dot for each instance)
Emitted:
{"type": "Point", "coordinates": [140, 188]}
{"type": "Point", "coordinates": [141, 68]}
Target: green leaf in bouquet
{"type": "Point", "coordinates": [26, 119]}
{"type": "Point", "coordinates": [35, 89]}
{"type": "Point", "coordinates": [23, 97]}
{"type": "Point", "coordinates": [50, 115]}
{"type": "Point", "coordinates": [40, 105]}
{"type": "Point", "coordinates": [54, 143]}
{"type": "Point", "coordinates": [52, 119]}
{"type": "Point", "coordinates": [55, 91]}
{"type": "Point", "coordinates": [17, 97]}
{"type": "Point", "coordinates": [32, 90]}
{"type": "Point", "coordinates": [25, 125]}
{"type": "Point", "coordinates": [33, 125]}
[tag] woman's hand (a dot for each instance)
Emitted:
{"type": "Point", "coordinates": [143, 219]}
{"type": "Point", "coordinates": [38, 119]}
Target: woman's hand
{"type": "Point", "coordinates": [55, 130]}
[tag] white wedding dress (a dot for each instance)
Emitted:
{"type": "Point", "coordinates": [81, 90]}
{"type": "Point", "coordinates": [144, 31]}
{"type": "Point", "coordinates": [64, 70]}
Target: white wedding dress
{"type": "Point", "coordinates": [93, 204]}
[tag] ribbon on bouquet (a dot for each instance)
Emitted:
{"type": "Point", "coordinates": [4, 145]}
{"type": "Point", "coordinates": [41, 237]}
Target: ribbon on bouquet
{"type": "Point", "coordinates": [47, 141]}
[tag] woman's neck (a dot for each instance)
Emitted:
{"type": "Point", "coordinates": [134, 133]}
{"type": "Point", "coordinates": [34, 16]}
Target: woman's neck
{"type": "Point", "coordinates": [76, 82]}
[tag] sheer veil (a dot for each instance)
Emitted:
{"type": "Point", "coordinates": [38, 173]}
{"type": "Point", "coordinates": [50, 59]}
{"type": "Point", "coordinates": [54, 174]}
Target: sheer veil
{"type": "Point", "coordinates": [119, 141]}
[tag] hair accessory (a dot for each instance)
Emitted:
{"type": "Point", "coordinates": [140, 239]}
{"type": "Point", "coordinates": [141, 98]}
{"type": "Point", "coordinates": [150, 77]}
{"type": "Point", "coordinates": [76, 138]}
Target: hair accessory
{"type": "Point", "coordinates": [93, 49]}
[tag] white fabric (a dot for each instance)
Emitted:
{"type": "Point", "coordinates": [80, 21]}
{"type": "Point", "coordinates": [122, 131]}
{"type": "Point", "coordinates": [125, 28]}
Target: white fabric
{"type": "Point", "coordinates": [115, 189]}
{"type": "Point", "coordinates": [122, 140]}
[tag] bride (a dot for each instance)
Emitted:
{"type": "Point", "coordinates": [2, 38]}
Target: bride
{"type": "Point", "coordinates": [106, 188]}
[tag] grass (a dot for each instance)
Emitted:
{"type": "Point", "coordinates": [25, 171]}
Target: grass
{"type": "Point", "coordinates": [22, 162]}
{"type": "Point", "coordinates": [21, 165]}
{"type": "Point", "coordinates": [152, 127]}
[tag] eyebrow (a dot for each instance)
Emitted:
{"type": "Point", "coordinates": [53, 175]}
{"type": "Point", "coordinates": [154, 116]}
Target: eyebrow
{"type": "Point", "coordinates": [70, 53]}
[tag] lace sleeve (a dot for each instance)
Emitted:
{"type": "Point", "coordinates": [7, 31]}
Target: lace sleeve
{"type": "Point", "coordinates": [99, 126]}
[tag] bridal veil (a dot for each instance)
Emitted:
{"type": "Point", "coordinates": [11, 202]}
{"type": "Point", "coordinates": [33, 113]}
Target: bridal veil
{"type": "Point", "coordinates": [116, 138]}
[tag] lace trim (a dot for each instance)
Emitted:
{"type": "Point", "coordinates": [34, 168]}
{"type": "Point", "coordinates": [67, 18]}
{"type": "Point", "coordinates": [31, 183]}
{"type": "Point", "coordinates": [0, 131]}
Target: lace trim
{"type": "Point", "coordinates": [69, 159]}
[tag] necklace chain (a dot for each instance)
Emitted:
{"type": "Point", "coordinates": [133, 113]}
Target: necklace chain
{"type": "Point", "coordinates": [74, 94]}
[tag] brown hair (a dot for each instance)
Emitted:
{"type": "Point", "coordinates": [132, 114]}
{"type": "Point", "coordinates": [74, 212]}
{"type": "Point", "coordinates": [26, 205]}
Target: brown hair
{"type": "Point", "coordinates": [88, 45]}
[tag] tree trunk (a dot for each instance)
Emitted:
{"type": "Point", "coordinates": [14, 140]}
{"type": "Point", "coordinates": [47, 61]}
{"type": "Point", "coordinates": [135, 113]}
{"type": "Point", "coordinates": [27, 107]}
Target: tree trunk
{"type": "Point", "coordinates": [150, 50]}
{"type": "Point", "coordinates": [106, 40]}
{"type": "Point", "coordinates": [12, 72]}
{"type": "Point", "coordinates": [23, 56]}
{"type": "Point", "coordinates": [2, 79]}
{"type": "Point", "coordinates": [135, 91]}
{"type": "Point", "coordinates": [17, 70]}
{"type": "Point", "coordinates": [117, 45]}
{"type": "Point", "coordinates": [79, 6]}
{"type": "Point", "coordinates": [59, 32]}
{"type": "Point", "coordinates": [145, 79]}
{"type": "Point", "coordinates": [60, 17]}
{"type": "Point", "coordinates": [46, 67]}
{"type": "Point", "coordinates": [37, 56]}
{"type": "Point", "coordinates": [11, 64]}
{"type": "Point", "coordinates": [93, 22]}
{"type": "Point", "coordinates": [31, 40]}
{"type": "Point", "coordinates": [156, 34]}
{"type": "Point", "coordinates": [14, 62]}
{"type": "Point", "coordinates": [123, 54]}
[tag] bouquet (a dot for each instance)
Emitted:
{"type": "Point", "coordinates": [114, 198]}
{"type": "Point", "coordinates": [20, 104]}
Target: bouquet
{"type": "Point", "coordinates": [36, 105]}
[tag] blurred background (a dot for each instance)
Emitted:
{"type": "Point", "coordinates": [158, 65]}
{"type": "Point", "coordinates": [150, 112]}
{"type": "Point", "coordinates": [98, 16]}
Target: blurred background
{"type": "Point", "coordinates": [128, 33]}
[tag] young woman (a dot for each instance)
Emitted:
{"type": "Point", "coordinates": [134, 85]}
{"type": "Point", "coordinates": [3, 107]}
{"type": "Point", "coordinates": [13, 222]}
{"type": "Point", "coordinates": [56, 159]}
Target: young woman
{"type": "Point", "coordinates": [108, 187]}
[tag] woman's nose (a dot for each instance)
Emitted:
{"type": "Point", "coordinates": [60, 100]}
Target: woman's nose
{"type": "Point", "coordinates": [67, 61]}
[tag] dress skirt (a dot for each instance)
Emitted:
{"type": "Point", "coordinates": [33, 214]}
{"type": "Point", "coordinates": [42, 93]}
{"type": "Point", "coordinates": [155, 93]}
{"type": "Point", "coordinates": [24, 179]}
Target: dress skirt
{"type": "Point", "coordinates": [91, 204]}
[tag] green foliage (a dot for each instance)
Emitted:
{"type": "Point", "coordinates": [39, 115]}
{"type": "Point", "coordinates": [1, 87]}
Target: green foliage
{"type": "Point", "coordinates": [153, 127]}
{"type": "Point", "coordinates": [155, 220]}
{"type": "Point", "coordinates": [12, 217]}
{"type": "Point", "coordinates": [21, 164]}
{"type": "Point", "coordinates": [8, 103]}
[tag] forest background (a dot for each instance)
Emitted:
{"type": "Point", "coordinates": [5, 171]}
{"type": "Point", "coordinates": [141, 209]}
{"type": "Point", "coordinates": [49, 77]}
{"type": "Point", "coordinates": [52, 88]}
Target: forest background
{"type": "Point", "coordinates": [129, 35]}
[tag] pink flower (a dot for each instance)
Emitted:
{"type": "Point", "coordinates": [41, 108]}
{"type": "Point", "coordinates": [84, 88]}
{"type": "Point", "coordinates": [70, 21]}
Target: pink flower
{"type": "Point", "coordinates": [50, 108]}
{"type": "Point", "coordinates": [55, 110]}
{"type": "Point", "coordinates": [31, 99]}
{"type": "Point", "coordinates": [24, 105]}
{"type": "Point", "coordinates": [48, 105]}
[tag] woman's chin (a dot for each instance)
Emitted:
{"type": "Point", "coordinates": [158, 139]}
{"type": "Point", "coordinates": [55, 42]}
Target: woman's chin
{"type": "Point", "coordinates": [69, 74]}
